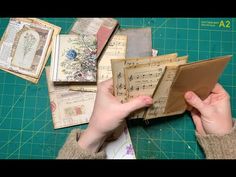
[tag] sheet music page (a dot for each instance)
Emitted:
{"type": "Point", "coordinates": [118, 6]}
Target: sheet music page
{"type": "Point", "coordinates": [118, 66]}
{"type": "Point", "coordinates": [161, 93]}
{"type": "Point", "coordinates": [116, 49]}
{"type": "Point", "coordinates": [127, 80]}
{"type": "Point", "coordinates": [142, 80]}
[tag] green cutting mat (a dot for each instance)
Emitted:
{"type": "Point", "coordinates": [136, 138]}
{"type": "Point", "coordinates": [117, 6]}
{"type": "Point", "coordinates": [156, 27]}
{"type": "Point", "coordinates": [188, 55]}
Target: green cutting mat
{"type": "Point", "coordinates": [26, 129]}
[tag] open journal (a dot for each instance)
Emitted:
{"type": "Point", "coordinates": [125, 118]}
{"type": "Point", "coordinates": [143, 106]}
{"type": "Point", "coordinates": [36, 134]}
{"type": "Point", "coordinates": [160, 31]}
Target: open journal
{"type": "Point", "coordinates": [25, 47]}
{"type": "Point", "coordinates": [166, 79]}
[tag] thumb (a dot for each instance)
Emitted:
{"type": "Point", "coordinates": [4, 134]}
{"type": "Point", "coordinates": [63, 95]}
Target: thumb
{"type": "Point", "coordinates": [194, 100]}
{"type": "Point", "coordinates": [138, 103]}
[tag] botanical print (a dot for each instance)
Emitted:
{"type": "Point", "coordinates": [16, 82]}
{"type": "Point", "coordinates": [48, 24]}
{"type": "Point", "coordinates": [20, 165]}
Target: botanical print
{"type": "Point", "coordinates": [26, 49]}
{"type": "Point", "coordinates": [29, 41]}
{"type": "Point", "coordinates": [29, 49]}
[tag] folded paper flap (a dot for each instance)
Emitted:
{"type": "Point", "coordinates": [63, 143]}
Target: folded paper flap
{"type": "Point", "coordinates": [225, 58]}
{"type": "Point", "coordinates": [199, 77]}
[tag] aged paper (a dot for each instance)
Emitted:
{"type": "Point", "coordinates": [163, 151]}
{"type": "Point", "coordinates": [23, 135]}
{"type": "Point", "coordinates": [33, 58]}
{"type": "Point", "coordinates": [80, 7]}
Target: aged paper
{"type": "Point", "coordinates": [142, 80]}
{"type": "Point", "coordinates": [116, 49]}
{"type": "Point", "coordinates": [83, 88]}
{"type": "Point", "coordinates": [74, 58]}
{"type": "Point", "coordinates": [26, 46]}
{"type": "Point", "coordinates": [161, 94]}
{"type": "Point", "coordinates": [145, 78]}
{"type": "Point", "coordinates": [102, 28]}
{"type": "Point", "coordinates": [118, 70]}
{"type": "Point", "coordinates": [69, 108]}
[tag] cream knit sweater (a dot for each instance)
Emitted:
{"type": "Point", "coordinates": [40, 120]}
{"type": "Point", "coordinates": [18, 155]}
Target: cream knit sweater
{"type": "Point", "coordinates": [214, 146]}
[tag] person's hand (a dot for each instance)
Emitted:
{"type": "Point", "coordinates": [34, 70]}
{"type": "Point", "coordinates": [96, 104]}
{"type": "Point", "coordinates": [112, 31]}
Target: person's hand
{"type": "Point", "coordinates": [212, 115]}
{"type": "Point", "coordinates": [108, 114]}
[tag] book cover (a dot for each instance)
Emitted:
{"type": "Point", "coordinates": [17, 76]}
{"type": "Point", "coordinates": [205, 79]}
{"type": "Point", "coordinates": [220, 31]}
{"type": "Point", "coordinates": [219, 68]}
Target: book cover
{"type": "Point", "coordinates": [74, 59]}
{"type": "Point", "coordinates": [102, 28]}
{"type": "Point", "coordinates": [116, 49]}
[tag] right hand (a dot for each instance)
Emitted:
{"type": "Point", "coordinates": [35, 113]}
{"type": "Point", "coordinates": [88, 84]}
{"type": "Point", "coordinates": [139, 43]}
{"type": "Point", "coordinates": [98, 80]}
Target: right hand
{"type": "Point", "coordinates": [212, 115]}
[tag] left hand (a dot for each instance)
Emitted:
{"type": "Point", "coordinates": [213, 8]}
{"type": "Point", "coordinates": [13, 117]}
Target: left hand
{"type": "Point", "coordinates": [108, 114]}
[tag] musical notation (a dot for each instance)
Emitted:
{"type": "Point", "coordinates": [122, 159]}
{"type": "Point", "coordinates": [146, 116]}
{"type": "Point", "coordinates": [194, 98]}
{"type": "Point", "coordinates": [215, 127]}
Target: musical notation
{"type": "Point", "coordinates": [116, 49]}
{"type": "Point", "coordinates": [141, 76]}
{"type": "Point", "coordinates": [161, 94]}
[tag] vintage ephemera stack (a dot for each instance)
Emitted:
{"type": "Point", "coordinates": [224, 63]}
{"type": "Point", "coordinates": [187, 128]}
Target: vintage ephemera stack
{"type": "Point", "coordinates": [25, 47]}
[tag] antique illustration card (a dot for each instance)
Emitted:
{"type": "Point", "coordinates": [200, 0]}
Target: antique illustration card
{"type": "Point", "coordinates": [25, 47]}
{"type": "Point", "coordinates": [74, 59]}
{"type": "Point", "coordinates": [69, 108]}
{"type": "Point", "coordinates": [102, 28]}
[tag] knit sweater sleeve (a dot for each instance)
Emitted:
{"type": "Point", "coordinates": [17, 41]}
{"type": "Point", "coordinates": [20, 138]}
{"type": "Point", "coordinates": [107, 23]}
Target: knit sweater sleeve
{"type": "Point", "coordinates": [71, 149]}
{"type": "Point", "coordinates": [219, 146]}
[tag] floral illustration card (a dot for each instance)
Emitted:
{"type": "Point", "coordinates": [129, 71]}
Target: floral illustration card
{"type": "Point", "coordinates": [74, 59]}
{"type": "Point", "coordinates": [25, 47]}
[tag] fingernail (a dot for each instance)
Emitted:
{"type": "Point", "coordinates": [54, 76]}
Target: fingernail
{"type": "Point", "coordinates": [188, 95]}
{"type": "Point", "coordinates": [148, 100]}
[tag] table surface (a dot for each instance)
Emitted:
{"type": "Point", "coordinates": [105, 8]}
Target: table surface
{"type": "Point", "coordinates": [26, 129]}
